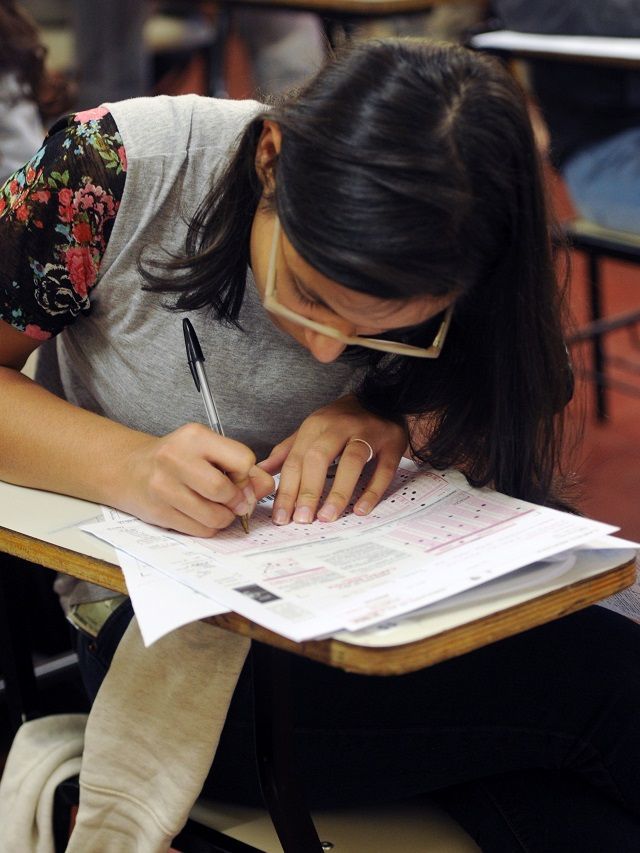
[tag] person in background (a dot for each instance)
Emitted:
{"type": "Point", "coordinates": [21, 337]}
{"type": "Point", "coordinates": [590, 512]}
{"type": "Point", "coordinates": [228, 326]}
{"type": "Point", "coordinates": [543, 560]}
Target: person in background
{"type": "Point", "coordinates": [110, 55]}
{"type": "Point", "coordinates": [592, 111]}
{"type": "Point", "coordinates": [114, 63]}
{"type": "Point", "coordinates": [284, 47]}
{"type": "Point", "coordinates": [28, 94]}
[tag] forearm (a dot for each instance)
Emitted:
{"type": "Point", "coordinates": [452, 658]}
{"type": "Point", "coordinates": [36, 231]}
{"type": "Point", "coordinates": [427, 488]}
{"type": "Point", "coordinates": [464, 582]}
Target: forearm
{"type": "Point", "coordinates": [190, 480]}
{"type": "Point", "coordinates": [47, 443]}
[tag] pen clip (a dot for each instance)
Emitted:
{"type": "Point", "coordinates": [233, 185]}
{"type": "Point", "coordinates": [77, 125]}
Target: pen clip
{"type": "Point", "coordinates": [194, 351]}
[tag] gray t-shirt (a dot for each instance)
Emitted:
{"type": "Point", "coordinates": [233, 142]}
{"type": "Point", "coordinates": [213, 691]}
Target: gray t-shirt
{"type": "Point", "coordinates": [126, 359]}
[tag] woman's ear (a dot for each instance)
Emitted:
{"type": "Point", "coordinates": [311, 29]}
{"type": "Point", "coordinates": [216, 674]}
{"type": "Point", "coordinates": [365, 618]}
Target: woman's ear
{"type": "Point", "coordinates": [267, 152]}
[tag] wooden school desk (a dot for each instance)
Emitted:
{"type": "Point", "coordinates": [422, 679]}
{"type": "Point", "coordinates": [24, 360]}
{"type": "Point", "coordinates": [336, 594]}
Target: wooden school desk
{"type": "Point", "coordinates": [333, 14]}
{"type": "Point", "coordinates": [342, 10]}
{"type": "Point", "coordinates": [355, 8]}
{"type": "Point", "coordinates": [41, 528]}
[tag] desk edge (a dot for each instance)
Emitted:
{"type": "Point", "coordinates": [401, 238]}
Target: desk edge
{"type": "Point", "coordinates": [409, 657]}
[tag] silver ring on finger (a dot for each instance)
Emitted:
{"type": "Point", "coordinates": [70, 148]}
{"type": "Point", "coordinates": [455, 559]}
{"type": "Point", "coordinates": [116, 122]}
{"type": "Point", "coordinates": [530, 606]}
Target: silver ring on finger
{"type": "Point", "coordinates": [366, 443]}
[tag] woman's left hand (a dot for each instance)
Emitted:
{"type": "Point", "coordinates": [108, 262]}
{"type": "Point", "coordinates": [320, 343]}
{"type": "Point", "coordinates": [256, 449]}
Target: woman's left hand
{"type": "Point", "coordinates": [305, 457]}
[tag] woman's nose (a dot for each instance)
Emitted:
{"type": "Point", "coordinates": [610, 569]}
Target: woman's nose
{"type": "Point", "coordinates": [322, 347]}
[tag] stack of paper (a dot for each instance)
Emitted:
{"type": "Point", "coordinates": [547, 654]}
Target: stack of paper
{"type": "Point", "coordinates": [432, 537]}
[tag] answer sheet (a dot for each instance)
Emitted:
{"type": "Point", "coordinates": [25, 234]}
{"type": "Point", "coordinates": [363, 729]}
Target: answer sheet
{"type": "Point", "coordinates": [431, 537]}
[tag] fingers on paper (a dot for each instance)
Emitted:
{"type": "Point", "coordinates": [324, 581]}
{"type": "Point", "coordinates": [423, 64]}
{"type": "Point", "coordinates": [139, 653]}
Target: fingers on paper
{"type": "Point", "coordinates": [352, 461]}
{"type": "Point", "coordinates": [377, 486]}
{"type": "Point", "coordinates": [301, 479]}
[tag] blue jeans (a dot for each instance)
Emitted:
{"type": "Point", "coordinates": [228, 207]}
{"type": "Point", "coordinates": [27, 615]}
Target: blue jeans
{"type": "Point", "coordinates": [531, 743]}
{"type": "Point", "coordinates": [604, 181]}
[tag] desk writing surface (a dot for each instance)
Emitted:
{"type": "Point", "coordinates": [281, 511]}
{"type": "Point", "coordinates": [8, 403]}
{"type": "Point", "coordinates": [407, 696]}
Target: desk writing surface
{"type": "Point", "coordinates": [40, 527]}
{"type": "Point", "coordinates": [52, 518]}
{"type": "Point", "coordinates": [593, 49]}
{"type": "Point", "coordinates": [430, 640]}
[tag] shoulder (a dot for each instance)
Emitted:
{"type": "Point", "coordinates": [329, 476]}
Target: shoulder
{"type": "Point", "coordinates": [56, 216]}
{"type": "Point", "coordinates": [163, 125]}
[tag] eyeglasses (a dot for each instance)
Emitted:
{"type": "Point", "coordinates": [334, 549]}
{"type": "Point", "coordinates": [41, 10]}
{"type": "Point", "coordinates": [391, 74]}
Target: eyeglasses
{"type": "Point", "coordinates": [271, 304]}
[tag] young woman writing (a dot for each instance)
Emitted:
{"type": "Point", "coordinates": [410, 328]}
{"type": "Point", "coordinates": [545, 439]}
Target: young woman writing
{"type": "Point", "coordinates": [413, 300]}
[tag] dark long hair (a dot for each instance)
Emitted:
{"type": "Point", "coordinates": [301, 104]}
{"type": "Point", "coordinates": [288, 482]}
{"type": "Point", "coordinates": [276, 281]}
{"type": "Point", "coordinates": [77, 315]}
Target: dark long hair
{"type": "Point", "coordinates": [23, 54]}
{"type": "Point", "coordinates": [409, 168]}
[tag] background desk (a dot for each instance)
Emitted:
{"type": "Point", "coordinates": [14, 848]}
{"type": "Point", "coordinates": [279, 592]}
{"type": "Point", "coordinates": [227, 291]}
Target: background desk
{"type": "Point", "coordinates": [357, 8]}
{"type": "Point", "coordinates": [596, 242]}
{"type": "Point", "coordinates": [334, 14]}
{"type": "Point", "coordinates": [621, 52]}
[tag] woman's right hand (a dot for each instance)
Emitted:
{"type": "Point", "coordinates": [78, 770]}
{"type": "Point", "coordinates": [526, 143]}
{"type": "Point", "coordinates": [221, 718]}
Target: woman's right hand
{"type": "Point", "coordinates": [191, 480]}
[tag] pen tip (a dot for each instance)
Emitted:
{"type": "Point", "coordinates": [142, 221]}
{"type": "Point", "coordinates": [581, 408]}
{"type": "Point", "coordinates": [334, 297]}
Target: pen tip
{"type": "Point", "coordinates": [245, 523]}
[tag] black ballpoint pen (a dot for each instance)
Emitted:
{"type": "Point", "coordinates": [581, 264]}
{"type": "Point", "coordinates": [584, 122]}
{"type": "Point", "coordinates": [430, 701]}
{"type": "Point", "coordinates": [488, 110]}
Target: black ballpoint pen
{"type": "Point", "coordinates": [196, 365]}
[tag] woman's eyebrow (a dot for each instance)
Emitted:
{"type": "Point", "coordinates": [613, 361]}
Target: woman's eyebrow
{"type": "Point", "coordinates": [415, 326]}
{"type": "Point", "coordinates": [308, 292]}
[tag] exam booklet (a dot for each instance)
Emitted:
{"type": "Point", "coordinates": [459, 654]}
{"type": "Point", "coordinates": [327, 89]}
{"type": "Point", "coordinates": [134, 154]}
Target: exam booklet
{"type": "Point", "coordinates": [432, 537]}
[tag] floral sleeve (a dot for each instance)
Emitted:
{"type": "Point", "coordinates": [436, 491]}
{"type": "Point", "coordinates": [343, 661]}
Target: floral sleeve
{"type": "Point", "coordinates": [56, 216]}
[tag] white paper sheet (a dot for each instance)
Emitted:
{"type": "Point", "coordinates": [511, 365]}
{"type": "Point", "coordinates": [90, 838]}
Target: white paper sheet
{"type": "Point", "coordinates": [161, 604]}
{"type": "Point", "coordinates": [432, 537]}
{"type": "Point", "coordinates": [506, 593]}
